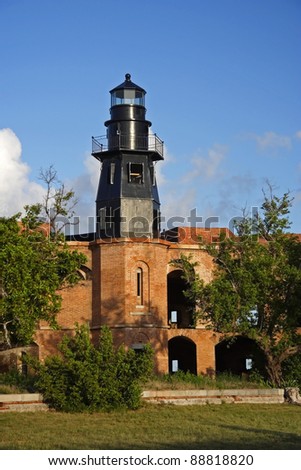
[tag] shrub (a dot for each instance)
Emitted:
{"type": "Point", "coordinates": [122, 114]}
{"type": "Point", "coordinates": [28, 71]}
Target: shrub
{"type": "Point", "coordinates": [89, 378]}
{"type": "Point", "coordinates": [16, 382]}
{"type": "Point", "coordinates": [292, 371]}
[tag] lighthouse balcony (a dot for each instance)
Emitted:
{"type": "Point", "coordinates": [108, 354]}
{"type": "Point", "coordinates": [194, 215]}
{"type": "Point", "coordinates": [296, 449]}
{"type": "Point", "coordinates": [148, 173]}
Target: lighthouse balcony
{"type": "Point", "coordinates": [150, 143]}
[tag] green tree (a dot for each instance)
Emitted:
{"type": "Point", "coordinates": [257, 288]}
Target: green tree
{"type": "Point", "coordinates": [33, 270]}
{"type": "Point", "coordinates": [88, 378]}
{"type": "Point", "coordinates": [256, 287]}
{"type": "Point", "coordinates": [36, 263]}
{"type": "Point", "coordinates": [57, 207]}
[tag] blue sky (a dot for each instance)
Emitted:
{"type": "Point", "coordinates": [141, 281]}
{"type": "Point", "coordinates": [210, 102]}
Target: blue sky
{"type": "Point", "coordinates": [223, 92]}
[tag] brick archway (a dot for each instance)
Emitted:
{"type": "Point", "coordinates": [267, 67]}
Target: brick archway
{"type": "Point", "coordinates": [182, 355]}
{"type": "Point", "coordinates": [177, 301]}
{"type": "Point", "coordinates": [238, 356]}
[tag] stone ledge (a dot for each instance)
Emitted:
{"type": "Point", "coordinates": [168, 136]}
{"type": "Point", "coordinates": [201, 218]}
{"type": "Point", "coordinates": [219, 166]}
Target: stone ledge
{"type": "Point", "coordinates": [20, 397]}
{"type": "Point", "coordinates": [22, 402]}
{"type": "Point", "coordinates": [34, 401]}
{"type": "Point", "coordinates": [193, 397]}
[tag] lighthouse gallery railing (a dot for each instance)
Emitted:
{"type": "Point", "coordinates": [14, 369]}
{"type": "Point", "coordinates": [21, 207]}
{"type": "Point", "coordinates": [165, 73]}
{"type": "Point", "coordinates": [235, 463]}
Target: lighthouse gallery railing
{"type": "Point", "coordinates": [127, 142]}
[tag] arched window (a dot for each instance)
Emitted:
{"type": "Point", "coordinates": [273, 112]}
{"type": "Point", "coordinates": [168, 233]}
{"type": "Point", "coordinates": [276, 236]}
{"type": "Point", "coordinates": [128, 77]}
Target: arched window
{"type": "Point", "coordinates": [180, 308]}
{"type": "Point", "coordinates": [139, 286]}
{"type": "Point", "coordinates": [238, 356]}
{"type": "Point", "coordinates": [182, 355]}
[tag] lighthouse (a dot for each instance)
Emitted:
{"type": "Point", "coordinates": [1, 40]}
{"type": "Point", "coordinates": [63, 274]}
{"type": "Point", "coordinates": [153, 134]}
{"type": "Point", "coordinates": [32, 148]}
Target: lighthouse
{"type": "Point", "coordinates": [127, 203]}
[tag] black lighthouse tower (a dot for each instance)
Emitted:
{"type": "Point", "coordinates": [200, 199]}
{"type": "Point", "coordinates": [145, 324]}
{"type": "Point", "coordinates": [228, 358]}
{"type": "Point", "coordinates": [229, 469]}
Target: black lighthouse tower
{"type": "Point", "coordinates": [127, 203]}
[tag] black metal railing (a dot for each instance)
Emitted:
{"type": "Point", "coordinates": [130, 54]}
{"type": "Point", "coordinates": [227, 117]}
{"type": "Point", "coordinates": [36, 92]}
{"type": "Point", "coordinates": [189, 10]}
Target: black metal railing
{"type": "Point", "coordinates": [128, 142]}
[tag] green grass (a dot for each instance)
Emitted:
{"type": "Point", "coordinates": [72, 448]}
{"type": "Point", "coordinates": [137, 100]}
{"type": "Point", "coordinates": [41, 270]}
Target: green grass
{"type": "Point", "coordinates": [8, 389]}
{"type": "Point", "coordinates": [13, 382]}
{"type": "Point", "coordinates": [185, 381]}
{"type": "Point", "coordinates": [165, 427]}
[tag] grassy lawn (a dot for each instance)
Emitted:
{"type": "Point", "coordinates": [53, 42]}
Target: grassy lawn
{"type": "Point", "coordinates": [157, 427]}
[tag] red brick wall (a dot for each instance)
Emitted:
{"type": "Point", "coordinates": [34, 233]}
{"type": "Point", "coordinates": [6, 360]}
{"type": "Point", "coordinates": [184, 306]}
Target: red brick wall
{"type": "Point", "coordinates": [110, 297]}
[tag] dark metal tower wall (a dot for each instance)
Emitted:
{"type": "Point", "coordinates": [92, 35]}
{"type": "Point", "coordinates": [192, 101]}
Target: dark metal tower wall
{"type": "Point", "coordinates": [127, 201]}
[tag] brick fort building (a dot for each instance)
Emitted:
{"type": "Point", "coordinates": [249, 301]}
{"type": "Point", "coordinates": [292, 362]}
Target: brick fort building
{"type": "Point", "coordinates": [128, 282]}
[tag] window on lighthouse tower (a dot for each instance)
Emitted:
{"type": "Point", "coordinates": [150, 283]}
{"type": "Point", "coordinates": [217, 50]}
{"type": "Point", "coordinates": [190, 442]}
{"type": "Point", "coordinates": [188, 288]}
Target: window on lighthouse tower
{"type": "Point", "coordinates": [136, 173]}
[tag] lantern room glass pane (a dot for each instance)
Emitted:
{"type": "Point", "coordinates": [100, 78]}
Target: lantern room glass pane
{"type": "Point", "coordinates": [127, 96]}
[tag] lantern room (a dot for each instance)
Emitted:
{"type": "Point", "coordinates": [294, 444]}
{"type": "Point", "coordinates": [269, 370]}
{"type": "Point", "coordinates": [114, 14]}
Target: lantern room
{"type": "Point", "coordinates": [128, 93]}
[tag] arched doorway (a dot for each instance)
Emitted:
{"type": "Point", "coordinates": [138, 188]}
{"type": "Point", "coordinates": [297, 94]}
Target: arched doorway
{"type": "Point", "coordinates": [238, 355]}
{"type": "Point", "coordinates": [177, 301]}
{"type": "Point", "coordinates": [182, 355]}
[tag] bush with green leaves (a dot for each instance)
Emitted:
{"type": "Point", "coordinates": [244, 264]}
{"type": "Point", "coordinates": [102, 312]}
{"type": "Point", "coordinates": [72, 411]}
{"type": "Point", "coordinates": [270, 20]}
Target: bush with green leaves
{"type": "Point", "coordinates": [256, 284]}
{"type": "Point", "coordinates": [85, 377]}
{"type": "Point", "coordinates": [292, 372]}
{"type": "Point", "coordinates": [16, 382]}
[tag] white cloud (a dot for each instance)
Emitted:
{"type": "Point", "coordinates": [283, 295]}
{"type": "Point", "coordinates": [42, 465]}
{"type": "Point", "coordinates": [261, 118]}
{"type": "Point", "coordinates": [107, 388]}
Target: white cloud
{"type": "Point", "coordinates": [207, 167]}
{"type": "Point", "coordinates": [272, 141]}
{"type": "Point", "coordinates": [85, 187]}
{"type": "Point", "coordinates": [16, 189]}
{"type": "Point", "coordinates": [177, 205]}
{"type": "Point", "coordinates": [161, 166]}
{"type": "Point", "coordinates": [236, 194]}
{"type": "Point", "coordinates": [181, 197]}
{"type": "Point", "coordinates": [298, 134]}
{"type": "Point", "coordinates": [93, 167]}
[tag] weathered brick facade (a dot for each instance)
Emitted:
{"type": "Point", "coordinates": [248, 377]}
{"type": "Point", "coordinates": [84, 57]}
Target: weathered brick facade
{"type": "Point", "coordinates": [128, 282]}
{"type": "Point", "coordinates": [109, 294]}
